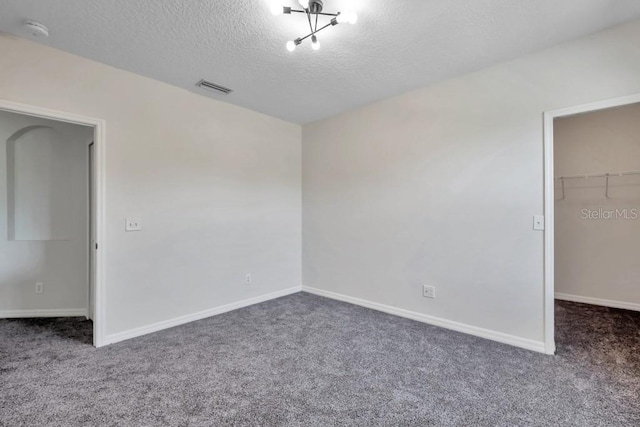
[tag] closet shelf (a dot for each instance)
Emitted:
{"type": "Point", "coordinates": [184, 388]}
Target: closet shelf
{"type": "Point", "coordinates": [596, 175]}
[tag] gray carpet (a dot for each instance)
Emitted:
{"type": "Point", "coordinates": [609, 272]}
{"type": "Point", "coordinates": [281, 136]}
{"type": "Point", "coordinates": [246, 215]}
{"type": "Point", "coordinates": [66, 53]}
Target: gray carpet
{"type": "Point", "coordinates": [303, 360]}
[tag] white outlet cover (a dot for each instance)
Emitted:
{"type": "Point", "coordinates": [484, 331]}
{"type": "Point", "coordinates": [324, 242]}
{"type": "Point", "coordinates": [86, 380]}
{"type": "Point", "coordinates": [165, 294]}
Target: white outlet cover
{"type": "Point", "coordinates": [133, 224]}
{"type": "Point", "coordinates": [429, 291]}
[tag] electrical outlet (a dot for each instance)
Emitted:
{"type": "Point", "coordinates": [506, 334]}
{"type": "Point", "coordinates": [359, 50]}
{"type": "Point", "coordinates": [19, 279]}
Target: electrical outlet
{"type": "Point", "coordinates": [247, 279]}
{"type": "Point", "coordinates": [39, 288]}
{"type": "Point", "coordinates": [133, 224]}
{"type": "Point", "coordinates": [429, 291]}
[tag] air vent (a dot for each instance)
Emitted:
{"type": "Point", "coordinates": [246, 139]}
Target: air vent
{"type": "Point", "coordinates": [212, 86]}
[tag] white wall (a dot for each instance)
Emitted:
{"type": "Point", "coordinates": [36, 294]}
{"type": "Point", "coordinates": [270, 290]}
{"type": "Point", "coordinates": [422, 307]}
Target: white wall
{"type": "Point", "coordinates": [57, 258]}
{"type": "Point", "coordinates": [597, 247]}
{"type": "Point", "coordinates": [39, 183]}
{"type": "Point", "coordinates": [217, 187]}
{"type": "Point", "coordinates": [439, 186]}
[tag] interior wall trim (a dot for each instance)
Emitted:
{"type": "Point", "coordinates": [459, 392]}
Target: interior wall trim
{"type": "Point", "coordinates": [598, 301]}
{"type": "Point", "coordinates": [537, 346]}
{"type": "Point", "coordinates": [181, 320]}
{"type": "Point", "coordinates": [62, 312]}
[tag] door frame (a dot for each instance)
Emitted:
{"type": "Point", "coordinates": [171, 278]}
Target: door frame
{"type": "Point", "coordinates": [549, 205]}
{"type": "Point", "coordinates": [99, 175]}
{"type": "Point", "coordinates": [90, 232]}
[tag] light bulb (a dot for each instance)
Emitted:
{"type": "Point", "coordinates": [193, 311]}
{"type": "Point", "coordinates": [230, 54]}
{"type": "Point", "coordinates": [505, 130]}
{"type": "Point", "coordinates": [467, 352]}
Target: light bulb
{"type": "Point", "coordinates": [277, 9]}
{"type": "Point", "coordinates": [291, 45]}
{"type": "Point", "coordinates": [315, 44]}
{"type": "Point", "coordinates": [344, 17]}
{"type": "Point", "coordinates": [353, 18]}
{"type": "Point", "coordinates": [304, 4]}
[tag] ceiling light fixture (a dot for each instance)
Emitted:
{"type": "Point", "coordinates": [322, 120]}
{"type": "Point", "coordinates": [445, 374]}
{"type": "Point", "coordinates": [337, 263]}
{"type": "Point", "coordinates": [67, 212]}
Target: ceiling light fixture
{"type": "Point", "coordinates": [313, 10]}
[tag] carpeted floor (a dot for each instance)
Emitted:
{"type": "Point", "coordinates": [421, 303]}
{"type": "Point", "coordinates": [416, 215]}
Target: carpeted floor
{"type": "Point", "coordinates": [303, 360]}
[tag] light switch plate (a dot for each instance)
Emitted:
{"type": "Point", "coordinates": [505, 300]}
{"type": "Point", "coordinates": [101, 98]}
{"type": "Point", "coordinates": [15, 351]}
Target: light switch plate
{"type": "Point", "coordinates": [133, 224]}
{"type": "Point", "coordinates": [538, 222]}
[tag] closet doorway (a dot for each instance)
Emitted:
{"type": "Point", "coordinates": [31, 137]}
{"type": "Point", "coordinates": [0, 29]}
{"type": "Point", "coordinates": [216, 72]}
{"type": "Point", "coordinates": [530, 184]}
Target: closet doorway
{"type": "Point", "coordinates": [592, 216]}
{"type": "Point", "coordinates": [54, 210]}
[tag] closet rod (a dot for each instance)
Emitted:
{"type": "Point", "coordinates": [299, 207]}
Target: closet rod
{"type": "Point", "coordinates": [598, 175]}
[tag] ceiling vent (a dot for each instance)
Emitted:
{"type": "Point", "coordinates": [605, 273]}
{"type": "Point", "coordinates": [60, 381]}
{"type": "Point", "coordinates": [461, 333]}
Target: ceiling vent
{"type": "Point", "coordinates": [214, 87]}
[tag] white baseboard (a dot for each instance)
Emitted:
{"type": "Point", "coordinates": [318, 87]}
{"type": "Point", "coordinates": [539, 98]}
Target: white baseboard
{"type": "Point", "coordinates": [527, 344]}
{"type": "Point", "coordinates": [598, 301]}
{"type": "Point", "coordinates": [166, 324]}
{"type": "Point", "coordinates": [63, 312]}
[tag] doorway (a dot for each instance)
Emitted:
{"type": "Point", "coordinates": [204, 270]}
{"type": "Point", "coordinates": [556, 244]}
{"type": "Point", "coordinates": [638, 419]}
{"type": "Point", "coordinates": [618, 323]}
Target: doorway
{"type": "Point", "coordinates": [55, 211]}
{"type": "Point", "coordinates": [562, 191]}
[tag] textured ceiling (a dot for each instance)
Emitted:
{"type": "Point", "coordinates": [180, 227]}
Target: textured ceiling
{"type": "Point", "coordinates": [396, 45]}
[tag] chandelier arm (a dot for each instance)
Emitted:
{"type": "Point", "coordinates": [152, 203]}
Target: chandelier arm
{"type": "Point", "coordinates": [315, 32]}
{"type": "Point", "coordinates": [316, 27]}
{"type": "Point", "coordinates": [319, 13]}
{"type": "Point", "coordinates": [310, 24]}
